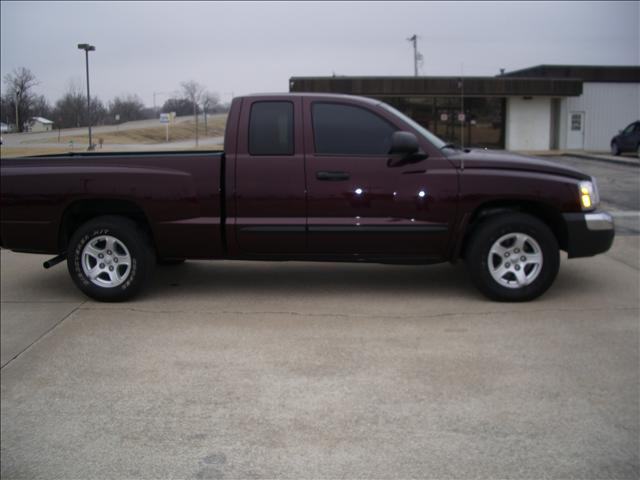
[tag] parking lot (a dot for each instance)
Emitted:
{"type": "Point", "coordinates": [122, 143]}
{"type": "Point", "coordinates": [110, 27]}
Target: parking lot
{"type": "Point", "coordinates": [303, 370]}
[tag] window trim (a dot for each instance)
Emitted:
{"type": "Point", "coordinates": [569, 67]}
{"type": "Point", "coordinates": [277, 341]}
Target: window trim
{"type": "Point", "coordinates": [346, 104]}
{"type": "Point", "coordinates": [293, 130]}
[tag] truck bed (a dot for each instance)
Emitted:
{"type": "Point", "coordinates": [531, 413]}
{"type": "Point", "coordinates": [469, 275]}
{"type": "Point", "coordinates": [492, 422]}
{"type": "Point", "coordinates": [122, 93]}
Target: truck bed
{"type": "Point", "coordinates": [178, 196]}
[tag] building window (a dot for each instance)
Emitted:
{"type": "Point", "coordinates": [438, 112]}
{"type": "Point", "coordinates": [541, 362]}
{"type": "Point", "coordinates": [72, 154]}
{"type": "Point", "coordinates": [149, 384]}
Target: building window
{"type": "Point", "coordinates": [482, 125]}
{"type": "Point", "coordinates": [576, 122]}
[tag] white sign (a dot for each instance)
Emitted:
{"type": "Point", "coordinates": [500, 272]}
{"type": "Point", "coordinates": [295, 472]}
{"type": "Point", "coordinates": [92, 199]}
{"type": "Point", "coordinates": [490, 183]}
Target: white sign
{"type": "Point", "coordinates": [165, 118]}
{"type": "Point", "coordinates": [461, 117]}
{"type": "Point", "coordinates": [444, 117]}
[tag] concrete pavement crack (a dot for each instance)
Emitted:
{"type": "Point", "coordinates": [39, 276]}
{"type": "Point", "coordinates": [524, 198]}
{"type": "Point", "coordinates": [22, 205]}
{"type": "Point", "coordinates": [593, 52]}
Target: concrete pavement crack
{"type": "Point", "coordinates": [621, 262]}
{"type": "Point", "coordinates": [43, 335]}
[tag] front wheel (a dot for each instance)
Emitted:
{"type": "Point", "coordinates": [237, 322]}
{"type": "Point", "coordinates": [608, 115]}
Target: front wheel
{"type": "Point", "coordinates": [615, 149]}
{"type": "Point", "coordinates": [110, 258]}
{"type": "Point", "coordinates": [513, 257]}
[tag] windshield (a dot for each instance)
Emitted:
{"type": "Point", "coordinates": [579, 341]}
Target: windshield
{"type": "Point", "coordinates": [431, 138]}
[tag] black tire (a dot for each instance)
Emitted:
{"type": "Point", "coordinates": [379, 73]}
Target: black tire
{"type": "Point", "coordinates": [130, 262]}
{"type": "Point", "coordinates": [542, 244]}
{"type": "Point", "coordinates": [615, 149]}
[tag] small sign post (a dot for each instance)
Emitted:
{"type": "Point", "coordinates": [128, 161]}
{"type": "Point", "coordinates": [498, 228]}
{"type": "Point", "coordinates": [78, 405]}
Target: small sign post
{"type": "Point", "coordinates": [166, 119]}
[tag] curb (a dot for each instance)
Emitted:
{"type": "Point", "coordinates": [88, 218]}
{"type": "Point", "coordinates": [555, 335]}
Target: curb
{"type": "Point", "coordinates": [602, 159]}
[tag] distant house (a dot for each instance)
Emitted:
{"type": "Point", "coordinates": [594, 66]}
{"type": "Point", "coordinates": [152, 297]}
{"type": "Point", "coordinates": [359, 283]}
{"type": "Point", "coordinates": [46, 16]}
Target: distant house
{"type": "Point", "coordinates": [40, 124]}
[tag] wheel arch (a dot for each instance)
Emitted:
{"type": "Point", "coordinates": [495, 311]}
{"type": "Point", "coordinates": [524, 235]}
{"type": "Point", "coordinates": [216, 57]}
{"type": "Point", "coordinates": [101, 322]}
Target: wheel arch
{"type": "Point", "coordinates": [543, 212]}
{"type": "Point", "coordinates": [81, 211]}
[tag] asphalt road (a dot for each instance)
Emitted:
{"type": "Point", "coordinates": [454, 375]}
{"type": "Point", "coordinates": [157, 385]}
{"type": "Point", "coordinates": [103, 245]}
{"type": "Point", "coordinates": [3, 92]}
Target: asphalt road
{"type": "Point", "coordinates": [300, 370]}
{"type": "Point", "coordinates": [619, 185]}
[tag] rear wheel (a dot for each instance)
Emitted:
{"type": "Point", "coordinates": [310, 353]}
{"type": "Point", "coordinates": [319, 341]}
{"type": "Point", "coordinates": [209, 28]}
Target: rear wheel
{"type": "Point", "coordinates": [110, 258]}
{"type": "Point", "coordinates": [513, 257]}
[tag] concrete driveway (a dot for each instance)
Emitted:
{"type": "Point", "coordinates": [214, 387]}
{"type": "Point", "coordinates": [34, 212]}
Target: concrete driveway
{"type": "Point", "coordinates": [300, 370]}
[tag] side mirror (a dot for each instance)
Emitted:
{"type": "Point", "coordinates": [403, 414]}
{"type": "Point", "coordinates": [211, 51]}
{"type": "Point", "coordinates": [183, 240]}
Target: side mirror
{"type": "Point", "coordinates": [404, 149]}
{"type": "Point", "coordinates": [404, 143]}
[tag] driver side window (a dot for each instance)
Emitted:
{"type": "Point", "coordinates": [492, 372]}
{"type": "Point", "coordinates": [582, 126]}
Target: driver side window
{"type": "Point", "coordinates": [341, 129]}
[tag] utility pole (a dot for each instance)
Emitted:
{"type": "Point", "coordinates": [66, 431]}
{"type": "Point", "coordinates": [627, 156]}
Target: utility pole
{"type": "Point", "coordinates": [462, 105]}
{"type": "Point", "coordinates": [414, 39]}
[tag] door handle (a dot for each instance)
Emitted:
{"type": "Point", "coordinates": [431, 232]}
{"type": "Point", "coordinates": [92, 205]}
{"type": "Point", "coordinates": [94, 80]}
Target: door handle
{"type": "Point", "coordinates": [332, 176]}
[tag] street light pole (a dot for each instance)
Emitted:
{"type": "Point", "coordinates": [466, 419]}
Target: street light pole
{"type": "Point", "coordinates": [18, 93]}
{"type": "Point", "coordinates": [88, 48]}
{"type": "Point", "coordinates": [195, 113]}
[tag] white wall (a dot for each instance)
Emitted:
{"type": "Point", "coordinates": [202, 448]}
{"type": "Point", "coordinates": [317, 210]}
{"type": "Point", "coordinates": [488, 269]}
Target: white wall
{"type": "Point", "coordinates": [528, 125]}
{"type": "Point", "coordinates": [608, 107]}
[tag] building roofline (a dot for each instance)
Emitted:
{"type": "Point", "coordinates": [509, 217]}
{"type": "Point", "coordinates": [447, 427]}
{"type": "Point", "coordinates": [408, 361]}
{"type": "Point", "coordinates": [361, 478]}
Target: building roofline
{"type": "Point", "coordinates": [586, 73]}
{"type": "Point", "coordinates": [560, 65]}
{"type": "Point", "coordinates": [438, 86]}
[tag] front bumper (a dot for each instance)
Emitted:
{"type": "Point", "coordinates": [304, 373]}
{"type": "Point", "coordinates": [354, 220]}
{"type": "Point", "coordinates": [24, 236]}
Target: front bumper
{"type": "Point", "coordinates": [588, 233]}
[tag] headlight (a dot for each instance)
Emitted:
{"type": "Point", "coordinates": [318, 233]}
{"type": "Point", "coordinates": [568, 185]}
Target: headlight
{"type": "Point", "coordinates": [589, 197]}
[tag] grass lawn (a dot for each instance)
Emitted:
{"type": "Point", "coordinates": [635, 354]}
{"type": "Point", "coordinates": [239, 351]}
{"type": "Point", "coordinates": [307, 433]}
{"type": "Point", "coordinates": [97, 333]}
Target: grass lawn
{"type": "Point", "coordinates": [184, 130]}
{"type": "Point", "coordinates": [10, 152]}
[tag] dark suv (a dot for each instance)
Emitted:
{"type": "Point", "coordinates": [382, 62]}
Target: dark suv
{"type": "Point", "coordinates": [627, 140]}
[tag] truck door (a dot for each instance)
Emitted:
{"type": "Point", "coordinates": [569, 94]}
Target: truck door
{"type": "Point", "coordinates": [270, 211]}
{"type": "Point", "coordinates": [356, 203]}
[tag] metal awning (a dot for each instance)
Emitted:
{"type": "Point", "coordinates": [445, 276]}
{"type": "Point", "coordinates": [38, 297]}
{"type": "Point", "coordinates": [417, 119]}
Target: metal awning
{"type": "Point", "coordinates": [439, 86]}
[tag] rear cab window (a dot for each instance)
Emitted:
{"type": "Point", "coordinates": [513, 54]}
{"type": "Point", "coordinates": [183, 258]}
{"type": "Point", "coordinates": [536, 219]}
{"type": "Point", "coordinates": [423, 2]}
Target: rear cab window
{"type": "Point", "coordinates": [271, 128]}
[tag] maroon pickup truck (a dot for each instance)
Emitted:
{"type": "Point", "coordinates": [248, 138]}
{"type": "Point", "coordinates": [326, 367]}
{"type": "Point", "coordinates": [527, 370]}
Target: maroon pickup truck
{"type": "Point", "coordinates": [304, 177]}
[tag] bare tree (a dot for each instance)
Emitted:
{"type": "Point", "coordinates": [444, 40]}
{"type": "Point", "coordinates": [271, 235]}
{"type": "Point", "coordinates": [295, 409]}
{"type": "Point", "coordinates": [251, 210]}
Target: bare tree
{"type": "Point", "coordinates": [127, 108]}
{"type": "Point", "coordinates": [181, 106]}
{"type": "Point", "coordinates": [19, 86]}
{"type": "Point", "coordinates": [209, 100]}
{"type": "Point", "coordinates": [193, 91]}
{"type": "Point", "coordinates": [41, 107]}
{"type": "Point", "coordinates": [71, 109]}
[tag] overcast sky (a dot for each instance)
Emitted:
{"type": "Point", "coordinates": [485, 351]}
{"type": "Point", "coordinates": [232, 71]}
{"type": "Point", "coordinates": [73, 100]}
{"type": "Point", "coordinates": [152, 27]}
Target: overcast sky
{"type": "Point", "coordinates": [245, 47]}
